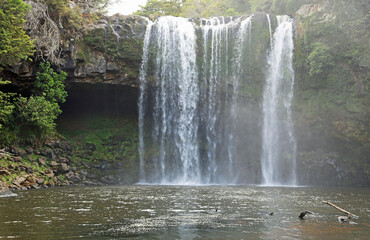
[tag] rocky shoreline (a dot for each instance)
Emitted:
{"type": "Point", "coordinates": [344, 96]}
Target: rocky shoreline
{"type": "Point", "coordinates": [49, 166]}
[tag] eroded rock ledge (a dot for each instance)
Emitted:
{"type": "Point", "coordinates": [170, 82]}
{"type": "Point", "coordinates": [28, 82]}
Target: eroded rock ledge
{"type": "Point", "coordinates": [110, 52]}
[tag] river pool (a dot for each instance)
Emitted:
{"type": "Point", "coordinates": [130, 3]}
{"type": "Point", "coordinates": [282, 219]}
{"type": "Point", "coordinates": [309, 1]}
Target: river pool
{"type": "Point", "coordinates": [183, 212]}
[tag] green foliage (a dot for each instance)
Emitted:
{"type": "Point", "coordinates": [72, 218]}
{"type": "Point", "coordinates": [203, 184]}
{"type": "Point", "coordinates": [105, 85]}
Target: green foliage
{"type": "Point", "coordinates": [206, 8]}
{"type": "Point", "coordinates": [161, 8]}
{"type": "Point", "coordinates": [231, 12]}
{"type": "Point", "coordinates": [319, 59]}
{"type": "Point", "coordinates": [34, 118]}
{"type": "Point", "coordinates": [77, 17]}
{"type": "Point", "coordinates": [14, 43]}
{"type": "Point", "coordinates": [30, 120]}
{"type": "Point", "coordinates": [115, 140]}
{"type": "Point", "coordinates": [14, 46]}
{"type": "Point", "coordinates": [279, 7]}
{"type": "Point", "coordinates": [6, 108]}
{"type": "Point", "coordinates": [49, 84]}
{"type": "Point", "coordinates": [261, 5]}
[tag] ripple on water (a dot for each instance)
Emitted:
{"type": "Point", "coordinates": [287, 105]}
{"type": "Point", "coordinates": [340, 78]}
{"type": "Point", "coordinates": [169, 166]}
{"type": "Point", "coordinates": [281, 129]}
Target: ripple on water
{"type": "Point", "coordinates": [173, 212]}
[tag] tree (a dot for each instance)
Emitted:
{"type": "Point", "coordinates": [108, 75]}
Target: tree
{"type": "Point", "coordinates": [14, 46]}
{"type": "Point", "coordinates": [161, 8]}
{"type": "Point", "coordinates": [213, 8]}
{"type": "Point", "coordinates": [49, 84]}
{"type": "Point", "coordinates": [14, 43]}
{"type": "Point", "coordinates": [320, 59]}
{"type": "Point", "coordinates": [34, 117]}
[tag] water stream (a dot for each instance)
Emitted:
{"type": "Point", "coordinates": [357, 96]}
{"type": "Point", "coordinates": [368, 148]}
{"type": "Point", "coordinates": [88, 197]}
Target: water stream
{"type": "Point", "coordinates": [183, 212]}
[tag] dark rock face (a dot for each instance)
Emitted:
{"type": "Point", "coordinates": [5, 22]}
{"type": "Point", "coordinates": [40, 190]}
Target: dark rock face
{"type": "Point", "coordinates": [109, 53]}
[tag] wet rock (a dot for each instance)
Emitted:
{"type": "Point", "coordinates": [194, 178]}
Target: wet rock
{"type": "Point", "coordinates": [108, 180]}
{"type": "Point", "coordinates": [4, 189]}
{"type": "Point", "coordinates": [36, 186]}
{"type": "Point", "coordinates": [75, 179]}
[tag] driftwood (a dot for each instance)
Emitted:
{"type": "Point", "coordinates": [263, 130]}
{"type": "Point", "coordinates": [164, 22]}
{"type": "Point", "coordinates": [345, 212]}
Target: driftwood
{"type": "Point", "coordinates": [301, 216]}
{"type": "Point", "coordinates": [349, 214]}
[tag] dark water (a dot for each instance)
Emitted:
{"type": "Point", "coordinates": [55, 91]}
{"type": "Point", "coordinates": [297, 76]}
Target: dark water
{"type": "Point", "coordinates": [183, 212]}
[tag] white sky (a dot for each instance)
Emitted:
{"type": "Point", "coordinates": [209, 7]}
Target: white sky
{"type": "Point", "coordinates": [126, 7]}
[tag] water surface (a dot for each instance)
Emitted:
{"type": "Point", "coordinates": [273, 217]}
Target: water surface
{"type": "Point", "coordinates": [183, 212]}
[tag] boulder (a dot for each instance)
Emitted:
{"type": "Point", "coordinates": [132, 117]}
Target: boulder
{"type": "Point", "coordinates": [47, 152]}
{"type": "Point", "coordinates": [53, 164]}
{"type": "Point", "coordinates": [69, 175]}
{"type": "Point", "coordinates": [18, 181]}
{"type": "Point", "coordinates": [63, 168]}
{"type": "Point", "coordinates": [4, 172]}
{"type": "Point", "coordinates": [75, 179]}
{"type": "Point", "coordinates": [30, 158]}
{"type": "Point", "coordinates": [16, 159]}
{"type": "Point", "coordinates": [63, 160]}
{"type": "Point", "coordinates": [40, 180]}
{"type": "Point", "coordinates": [58, 151]}
{"type": "Point", "coordinates": [42, 161]}
{"type": "Point", "coordinates": [29, 169]}
{"type": "Point", "coordinates": [19, 152]}
{"type": "Point", "coordinates": [29, 150]}
{"type": "Point", "coordinates": [49, 173]}
{"type": "Point", "coordinates": [4, 190]}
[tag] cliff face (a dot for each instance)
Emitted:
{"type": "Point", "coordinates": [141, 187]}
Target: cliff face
{"type": "Point", "coordinates": [331, 94]}
{"type": "Point", "coordinates": [110, 52]}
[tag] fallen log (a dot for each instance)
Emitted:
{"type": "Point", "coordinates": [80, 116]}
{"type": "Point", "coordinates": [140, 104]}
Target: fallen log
{"type": "Point", "coordinates": [349, 214]}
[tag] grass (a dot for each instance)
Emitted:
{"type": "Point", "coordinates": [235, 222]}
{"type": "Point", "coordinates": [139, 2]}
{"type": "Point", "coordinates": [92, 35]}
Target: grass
{"type": "Point", "coordinates": [115, 139]}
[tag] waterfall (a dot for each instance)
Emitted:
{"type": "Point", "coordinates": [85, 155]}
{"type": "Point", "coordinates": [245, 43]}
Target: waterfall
{"type": "Point", "coordinates": [191, 109]}
{"type": "Point", "coordinates": [278, 158]}
{"type": "Point", "coordinates": [142, 97]}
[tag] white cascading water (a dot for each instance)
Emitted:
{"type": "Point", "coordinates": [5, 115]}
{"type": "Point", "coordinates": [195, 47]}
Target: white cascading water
{"type": "Point", "coordinates": [188, 109]}
{"type": "Point", "coordinates": [278, 158]}
{"type": "Point", "coordinates": [186, 98]}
